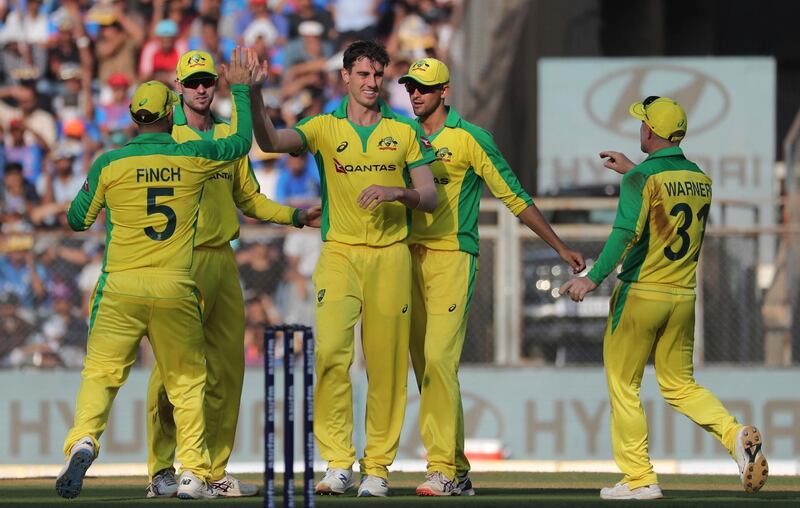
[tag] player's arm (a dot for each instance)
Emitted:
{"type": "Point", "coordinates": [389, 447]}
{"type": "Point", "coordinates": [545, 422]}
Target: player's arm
{"type": "Point", "coordinates": [493, 168]}
{"type": "Point", "coordinates": [268, 138]}
{"type": "Point", "coordinates": [421, 197]}
{"type": "Point", "coordinates": [632, 212]}
{"type": "Point", "coordinates": [90, 199]}
{"type": "Point", "coordinates": [249, 199]}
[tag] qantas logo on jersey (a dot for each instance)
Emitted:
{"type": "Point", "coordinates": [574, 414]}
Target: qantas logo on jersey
{"type": "Point", "coordinates": [387, 143]}
{"type": "Point", "coordinates": [85, 187]}
{"type": "Point", "coordinates": [426, 143]}
{"type": "Point", "coordinates": [354, 168]}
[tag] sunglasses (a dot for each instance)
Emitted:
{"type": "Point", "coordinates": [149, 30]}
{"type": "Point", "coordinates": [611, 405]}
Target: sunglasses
{"type": "Point", "coordinates": [423, 89]}
{"type": "Point", "coordinates": [196, 82]}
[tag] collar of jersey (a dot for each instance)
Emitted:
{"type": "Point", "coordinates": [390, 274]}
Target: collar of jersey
{"type": "Point", "coordinates": [453, 119]}
{"type": "Point", "coordinates": [152, 137]}
{"type": "Point", "coordinates": [178, 118]}
{"type": "Point", "coordinates": [672, 151]}
{"type": "Point", "coordinates": [341, 109]}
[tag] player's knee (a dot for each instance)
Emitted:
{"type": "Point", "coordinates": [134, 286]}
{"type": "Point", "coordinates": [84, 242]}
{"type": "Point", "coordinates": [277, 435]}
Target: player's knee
{"type": "Point", "coordinates": [440, 361]}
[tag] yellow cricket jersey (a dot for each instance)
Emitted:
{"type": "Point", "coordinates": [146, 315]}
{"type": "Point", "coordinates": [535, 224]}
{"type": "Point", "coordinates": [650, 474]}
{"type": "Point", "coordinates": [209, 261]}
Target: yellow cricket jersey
{"type": "Point", "coordinates": [350, 158]}
{"type": "Point", "coordinates": [468, 158]}
{"type": "Point", "coordinates": [233, 187]}
{"type": "Point", "coordinates": [661, 219]}
{"type": "Point", "coordinates": [151, 189]}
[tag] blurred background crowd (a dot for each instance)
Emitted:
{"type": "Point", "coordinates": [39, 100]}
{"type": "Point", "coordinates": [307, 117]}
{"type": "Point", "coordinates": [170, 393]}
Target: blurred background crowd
{"type": "Point", "coordinates": [67, 69]}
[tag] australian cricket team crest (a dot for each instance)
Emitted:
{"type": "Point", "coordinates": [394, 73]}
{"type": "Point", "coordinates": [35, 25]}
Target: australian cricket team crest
{"type": "Point", "coordinates": [444, 154]}
{"type": "Point", "coordinates": [196, 60]}
{"type": "Point", "coordinates": [387, 143]}
{"type": "Point", "coordinates": [420, 65]}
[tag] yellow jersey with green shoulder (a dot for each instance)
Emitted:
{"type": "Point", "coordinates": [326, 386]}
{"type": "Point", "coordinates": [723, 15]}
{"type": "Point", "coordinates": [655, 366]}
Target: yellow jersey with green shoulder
{"type": "Point", "coordinates": [661, 219]}
{"type": "Point", "coordinates": [350, 158]}
{"type": "Point", "coordinates": [233, 187]}
{"type": "Point", "coordinates": [468, 158]}
{"type": "Point", "coordinates": [151, 189]}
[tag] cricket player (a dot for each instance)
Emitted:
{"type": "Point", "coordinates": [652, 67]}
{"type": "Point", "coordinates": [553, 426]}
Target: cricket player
{"type": "Point", "coordinates": [661, 218]}
{"type": "Point", "coordinates": [217, 276]}
{"type": "Point", "coordinates": [367, 157]}
{"type": "Point", "coordinates": [444, 260]}
{"type": "Point", "coordinates": [151, 189]}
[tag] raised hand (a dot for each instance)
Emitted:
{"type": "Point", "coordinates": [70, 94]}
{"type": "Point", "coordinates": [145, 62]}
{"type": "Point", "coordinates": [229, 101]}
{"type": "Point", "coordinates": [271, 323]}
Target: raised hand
{"type": "Point", "coordinates": [241, 69]}
{"type": "Point", "coordinates": [616, 161]}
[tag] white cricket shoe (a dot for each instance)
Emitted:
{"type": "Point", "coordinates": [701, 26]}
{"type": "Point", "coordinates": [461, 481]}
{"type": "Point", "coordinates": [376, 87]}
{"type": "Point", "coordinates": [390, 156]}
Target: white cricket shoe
{"type": "Point", "coordinates": [753, 468]}
{"type": "Point", "coordinates": [192, 487]}
{"type": "Point", "coordinates": [335, 481]}
{"type": "Point", "coordinates": [622, 491]}
{"type": "Point", "coordinates": [436, 484]}
{"type": "Point", "coordinates": [373, 486]}
{"type": "Point", "coordinates": [463, 486]}
{"type": "Point", "coordinates": [229, 486]}
{"type": "Point", "coordinates": [70, 480]}
{"type": "Point", "coordinates": [163, 484]}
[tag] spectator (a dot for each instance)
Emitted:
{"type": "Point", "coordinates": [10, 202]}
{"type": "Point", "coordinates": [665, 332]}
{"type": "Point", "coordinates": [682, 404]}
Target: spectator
{"type": "Point", "coordinates": [117, 47]}
{"type": "Point", "coordinates": [261, 26]}
{"type": "Point", "coordinates": [37, 120]}
{"type": "Point", "coordinates": [28, 28]}
{"type": "Point", "coordinates": [160, 55]}
{"type": "Point", "coordinates": [298, 182]}
{"type": "Point", "coordinates": [356, 19]}
{"type": "Point", "coordinates": [305, 10]}
{"type": "Point", "coordinates": [73, 101]}
{"type": "Point", "coordinates": [18, 198]}
{"type": "Point", "coordinates": [21, 276]}
{"type": "Point", "coordinates": [261, 269]}
{"type": "Point", "coordinates": [16, 324]}
{"type": "Point", "coordinates": [112, 114]}
{"type": "Point", "coordinates": [28, 155]}
{"type": "Point", "coordinates": [70, 44]}
{"type": "Point", "coordinates": [309, 48]}
{"type": "Point", "coordinates": [211, 42]}
{"type": "Point", "coordinates": [58, 188]}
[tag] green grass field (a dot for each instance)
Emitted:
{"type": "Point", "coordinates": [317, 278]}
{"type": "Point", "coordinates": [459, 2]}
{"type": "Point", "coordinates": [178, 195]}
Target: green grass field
{"type": "Point", "coordinates": [494, 489]}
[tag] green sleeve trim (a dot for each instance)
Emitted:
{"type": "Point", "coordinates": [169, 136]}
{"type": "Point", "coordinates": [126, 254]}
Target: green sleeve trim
{"type": "Point", "coordinates": [325, 220]}
{"type": "Point", "coordinates": [613, 251]}
{"type": "Point", "coordinates": [79, 208]}
{"type": "Point", "coordinates": [296, 218]}
{"type": "Point", "coordinates": [487, 144]}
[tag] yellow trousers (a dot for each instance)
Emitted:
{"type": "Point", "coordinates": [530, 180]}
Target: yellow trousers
{"type": "Point", "coordinates": [373, 283]}
{"type": "Point", "coordinates": [215, 272]}
{"type": "Point", "coordinates": [657, 319]}
{"type": "Point", "coordinates": [124, 308]}
{"type": "Point", "coordinates": [442, 285]}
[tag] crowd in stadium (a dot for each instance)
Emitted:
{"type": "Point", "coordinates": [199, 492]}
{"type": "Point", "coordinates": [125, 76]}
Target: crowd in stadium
{"type": "Point", "coordinates": [67, 69]}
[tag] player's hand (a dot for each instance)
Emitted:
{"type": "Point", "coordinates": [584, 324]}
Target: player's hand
{"type": "Point", "coordinates": [574, 259]}
{"type": "Point", "coordinates": [312, 217]}
{"type": "Point", "coordinates": [577, 288]}
{"type": "Point", "coordinates": [260, 74]}
{"type": "Point", "coordinates": [243, 64]}
{"type": "Point", "coordinates": [616, 161]}
{"type": "Point", "coordinates": [374, 195]}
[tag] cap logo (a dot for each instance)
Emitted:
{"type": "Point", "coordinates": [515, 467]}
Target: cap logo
{"type": "Point", "coordinates": [196, 60]}
{"type": "Point", "coordinates": [421, 65]}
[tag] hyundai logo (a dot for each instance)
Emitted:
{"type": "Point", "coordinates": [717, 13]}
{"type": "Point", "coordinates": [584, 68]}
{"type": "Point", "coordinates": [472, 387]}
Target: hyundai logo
{"type": "Point", "coordinates": [703, 97]}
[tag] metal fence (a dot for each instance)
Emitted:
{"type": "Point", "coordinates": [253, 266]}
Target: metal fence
{"type": "Point", "coordinates": [516, 317]}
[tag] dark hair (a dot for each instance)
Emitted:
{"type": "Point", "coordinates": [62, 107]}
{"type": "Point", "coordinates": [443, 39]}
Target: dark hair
{"type": "Point", "coordinates": [364, 49]}
{"type": "Point", "coordinates": [13, 167]}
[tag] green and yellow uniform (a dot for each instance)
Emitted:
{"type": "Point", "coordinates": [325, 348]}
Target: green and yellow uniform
{"type": "Point", "coordinates": [364, 270]}
{"type": "Point", "coordinates": [151, 190]}
{"type": "Point", "coordinates": [217, 277]}
{"type": "Point", "coordinates": [661, 217]}
{"type": "Point", "coordinates": [444, 252]}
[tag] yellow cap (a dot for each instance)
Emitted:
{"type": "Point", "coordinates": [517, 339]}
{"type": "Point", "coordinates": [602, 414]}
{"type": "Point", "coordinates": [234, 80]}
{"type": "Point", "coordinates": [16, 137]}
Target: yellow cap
{"type": "Point", "coordinates": [195, 62]}
{"type": "Point", "coordinates": [428, 71]}
{"type": "Point", "coordinates": [152, 101]}
{"type": "Point", "coordinates": [663, 115]}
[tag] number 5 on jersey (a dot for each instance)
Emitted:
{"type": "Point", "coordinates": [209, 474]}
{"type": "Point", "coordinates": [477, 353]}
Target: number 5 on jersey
{"type": "Point", "coordinates": [153, 208]}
